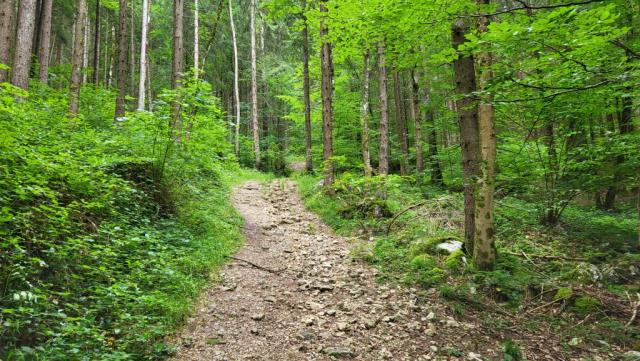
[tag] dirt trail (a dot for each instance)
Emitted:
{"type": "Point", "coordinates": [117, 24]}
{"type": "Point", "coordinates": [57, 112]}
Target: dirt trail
{"type": "Point", "coordinates": [316, 303]}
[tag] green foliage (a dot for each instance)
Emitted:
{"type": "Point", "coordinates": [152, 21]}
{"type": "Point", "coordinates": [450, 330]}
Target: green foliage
{"type": "Point", "coordinates": [109, 231]}
{"type": "Point", "coordinates": [512, 351]}
{"type": "Point", "coordinates": [585, 305]}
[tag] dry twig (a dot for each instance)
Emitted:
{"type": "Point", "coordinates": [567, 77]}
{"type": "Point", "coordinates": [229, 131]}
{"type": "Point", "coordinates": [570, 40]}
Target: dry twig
{"type": "Point", "coordinates": [255, 265]}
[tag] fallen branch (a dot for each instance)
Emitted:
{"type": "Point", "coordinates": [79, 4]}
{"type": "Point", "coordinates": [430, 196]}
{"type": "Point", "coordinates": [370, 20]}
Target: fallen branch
{"type": "Point", "coordinates": [539, 307]}
{"type": "Point", "coordinates": [393, 220]}
{"type": "Point", "coordinates": [255, 265]}
{"type": "Point", "coordinates": [635, 306]}
{"type": "Point", "coordinates": [543, 256]}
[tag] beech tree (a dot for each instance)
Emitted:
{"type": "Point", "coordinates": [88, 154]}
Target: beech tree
{"type": "Point", "coordinates": [465, 80]}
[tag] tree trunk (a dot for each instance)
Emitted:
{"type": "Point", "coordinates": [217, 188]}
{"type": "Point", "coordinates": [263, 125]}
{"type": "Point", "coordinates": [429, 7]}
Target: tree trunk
{"type": "Point", "coordinates": [85, 48]}
{"type": "Point", "coordinates": [143, 54]}
{"type": "Point", "coordinates": [401, 127]}
{"type": "Point", "coordinates": [132, 51]}
{"type": "Point", "coordinates": [383, 166]}
{"type": "Point", "coordinates": [76, 61]}
{"type": "Point", "coordinates": [23, 44]}
{"type": "Point", "coordinates": [254, 87]}
{"type": "Point", "coordinates": [122, 62]}
{"type": "Point", "coordinates": [307, 91]}
{"type": "Point", "coordinates": [434, 162]}
{"type": "Point", "coordinates": [484, 250]}
{"type": "Point", "coordinates": [7, 17]}
{"type": "Point", "coordinates": [196, 39]}
{"type": "Point", "coordinates": [45, 40]}
{"type": "Point", "coordinates": [177, 66]}
{"type": "Point", "coordinates": [464, 72]}
{"type": "Point", "coordinates": [327, 89]}
{"type": "Point", "coordinates": [236, 86]}
{"type": "Point", "coordinates": [366, 156]}
{"type": "Point", "coordinates": [96, 46]}
{"type": "Point", "coordinates": [417, 118]}
{"type": "Point", "coordinates": [625, 126]}
{"type": "Point", "coordinates": [432, 140]}
{"type": "Point", "coordinates": [112, 56]}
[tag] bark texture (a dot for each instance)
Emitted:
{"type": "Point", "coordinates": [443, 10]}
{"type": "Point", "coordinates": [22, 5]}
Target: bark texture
{"type": "Point", "coordinates": [327, 89]}
{"type": "Point", "coordinates": [7, 17]}
{"type": "Point", "coordinates": [383, 165]}
{"type": "Point", "coordinates": [76, 58]}
{"type": "Point", "coordinates": [465, 79]}
{"type": "Point", "coordinates": [122, 61]}
{"type": "Point", "coordinates": [254, 87]}
{"type": "Point", "coordinates": [366, 156]}
{"type": "Point", "coordinates": [417, 119]}
{"type": "Point", "coordinates": [24, 41]}
{"type": "Point", "coordinates": [143, 54]}
{"type": "Point", "coordinates": [484, 251]}
{"type": "Point", "coordinates": [236, 87]}
{"type": "Point", "coordinates": [307, 91]}
{"type": "Point", "coordinates": [96, 46]}
{"type": "Point", "coordinates": [45, 40]}
{"type": "Point", "coordinates": [401, 122]}
{"type": "Point", "coordinates": [177, 65]}
{"type": "Point", "coordinates": [196, 38]}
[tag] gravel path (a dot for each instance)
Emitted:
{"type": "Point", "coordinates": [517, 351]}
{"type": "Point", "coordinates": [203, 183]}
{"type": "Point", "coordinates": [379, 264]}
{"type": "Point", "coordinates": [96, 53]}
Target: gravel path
{"type": "Point", "coordinates": [294, 293]}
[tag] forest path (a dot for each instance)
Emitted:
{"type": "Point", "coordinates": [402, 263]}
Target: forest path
{"type": "Point", "coordinates": [307, 299]}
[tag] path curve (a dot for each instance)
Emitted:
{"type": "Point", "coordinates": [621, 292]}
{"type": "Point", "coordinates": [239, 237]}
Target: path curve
{"type": "Point", "coordinates": [317, 303]}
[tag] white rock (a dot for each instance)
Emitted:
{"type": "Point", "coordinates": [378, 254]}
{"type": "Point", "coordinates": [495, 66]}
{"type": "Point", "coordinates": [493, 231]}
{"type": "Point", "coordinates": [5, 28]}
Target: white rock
{"type": "Point", "coordinates": [450, 246]}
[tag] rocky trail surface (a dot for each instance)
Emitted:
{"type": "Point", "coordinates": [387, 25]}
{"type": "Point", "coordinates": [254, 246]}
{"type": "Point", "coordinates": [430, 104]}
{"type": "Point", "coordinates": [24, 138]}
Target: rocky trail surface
{"type": "Point", "coordinates": [293, 292]}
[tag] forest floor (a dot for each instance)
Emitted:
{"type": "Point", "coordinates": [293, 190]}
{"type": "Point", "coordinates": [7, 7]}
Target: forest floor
{"type": "Point", "coordinates": [294, 292]}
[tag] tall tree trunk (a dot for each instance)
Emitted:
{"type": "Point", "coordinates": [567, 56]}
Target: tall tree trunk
{"type": "Point", "coordinates": [132, 86]}
{"type": "Point", "coordinates": [96, 46]}
{"type": "Point", "coordinates": [401, 127]}
{"type": "Point", "coordinates": [625, 126]}
{"type": "Point", "coordinates": [143, 54]}
{"type": "Point", "coordinates": [327, 89]}
{"type": "Point", "coordinates": [383, 166]}
{"type": "Point", "coordinates": [366, 156]}
{"type": "Point", "coordinates": [23, 44]}
{"type": "Point", "coordinates": [196, 39]}
{"type": "Point", "coordinates": [236, 86]}
{"type": "Point", "coordinates": [417, 119]}
{"type": "Point", "coordinates": [484, 251]}
{"type": "Point", "coordinates": [254, 87]}
{"type": "Point", "coordinates": [464, 72]}
{"type": "Point", "coordinates": [85, 48]}
{"type": "Point", "coordinates": [307, 91]}
{"type": "Point", "coordinates": [45, 40]}
{"type": "Point", "coordinates": [122, 61]}
{"type": "Point", "coordinates": [7, 17]}
{"type": "Point", "coordinates": [177, 67]}
{"type": "Point", "coordinates": [76, 58]}
{"type": "Point", "coordinates": [112, 56]}
{"type": "Point", "coordinates": [434, 162]}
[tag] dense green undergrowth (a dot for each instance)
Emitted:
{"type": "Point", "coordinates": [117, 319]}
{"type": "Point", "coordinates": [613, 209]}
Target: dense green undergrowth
{"type": "Point", "coordinates": [109, 232]}
{"type": "Point", "coordinates": [584, 267]}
